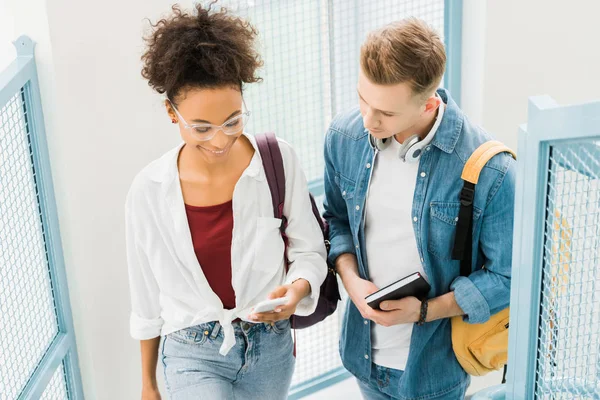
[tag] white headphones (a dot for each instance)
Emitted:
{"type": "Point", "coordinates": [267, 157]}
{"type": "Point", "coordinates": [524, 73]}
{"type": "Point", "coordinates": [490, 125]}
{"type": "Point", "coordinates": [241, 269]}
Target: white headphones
{"type": "Point", "coordinates": [411, 149]}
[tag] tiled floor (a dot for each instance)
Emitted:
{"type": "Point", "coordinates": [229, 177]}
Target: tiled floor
{"type": "Point", "coordinates": [348, 389]}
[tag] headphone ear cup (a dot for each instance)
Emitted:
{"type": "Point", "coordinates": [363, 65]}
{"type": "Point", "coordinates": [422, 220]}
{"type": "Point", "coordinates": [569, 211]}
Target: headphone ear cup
{"type": "Point", "coordinates": [407, 146]}
{"type": "Point", "coordinates": [414, 152]}
{"type": "Point", "coordinates": [380, 144]}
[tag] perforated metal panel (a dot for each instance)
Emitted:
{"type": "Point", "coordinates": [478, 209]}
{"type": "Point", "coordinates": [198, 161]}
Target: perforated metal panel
{"type": "Point", "coordinates": [28, 321]}
{"type": "Point", "coordinates": [36, 329]}
{"type": "Point", "coordinates": [568, 349]}
{"type": "Point", "coordinates": [311, 53]}
{"type": "Point", "coordinates": [317, 346]}
{"type": "Point", "coordinates": [57, 388]}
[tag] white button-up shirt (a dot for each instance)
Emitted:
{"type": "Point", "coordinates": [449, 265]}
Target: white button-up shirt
{"type": "Point", "coordinates": [169, 291]}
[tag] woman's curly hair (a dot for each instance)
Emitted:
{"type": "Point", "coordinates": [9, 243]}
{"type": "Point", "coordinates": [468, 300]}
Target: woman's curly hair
{"type": "Point", "coordinates": [205, 50]}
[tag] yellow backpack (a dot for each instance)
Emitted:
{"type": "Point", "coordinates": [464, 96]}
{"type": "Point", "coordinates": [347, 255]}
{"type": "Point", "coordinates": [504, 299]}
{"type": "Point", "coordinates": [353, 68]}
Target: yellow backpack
{"type": "Point", "coordinates": [479, 348]}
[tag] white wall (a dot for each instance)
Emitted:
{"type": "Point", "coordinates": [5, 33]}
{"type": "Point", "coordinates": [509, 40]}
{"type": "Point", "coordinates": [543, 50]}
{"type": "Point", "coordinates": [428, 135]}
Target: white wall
{"type": "Point", "coordinates": [532, 47]}
{"type": "Point", "coordinates": [7, 50]}
{"type": "Point", "coordinates": [473, 57]}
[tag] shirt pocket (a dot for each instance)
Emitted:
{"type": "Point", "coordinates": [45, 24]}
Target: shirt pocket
{"type": "Point", "coordinates": [443, 217]}
{"type": "Point", "coordinates": [269, 249]}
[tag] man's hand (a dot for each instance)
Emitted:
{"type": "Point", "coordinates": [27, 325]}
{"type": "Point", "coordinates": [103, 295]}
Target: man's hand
{"type": "Point", "coordinates": [393, 312]}
{"type": "Point", "coordinates": [358, 289]}
{"type": "Point", "coordinates": [295, 293]}
{"type": "Point", "coordinates": [403, 311]}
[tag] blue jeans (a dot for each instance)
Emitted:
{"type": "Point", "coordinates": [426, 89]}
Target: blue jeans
{"type": "Point", "coordinates": [384, 383]}
{"type": "Point", "coordinates": [259, 366]}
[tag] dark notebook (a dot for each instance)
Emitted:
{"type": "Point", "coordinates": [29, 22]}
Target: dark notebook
{"type": "Point", "coordinates": [413, 285]}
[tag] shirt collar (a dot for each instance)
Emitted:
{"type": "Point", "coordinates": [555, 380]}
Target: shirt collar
{"type": "Point", "coordinates": [165, 170]}
{"type": "Point", "coordinates": [450, 128]}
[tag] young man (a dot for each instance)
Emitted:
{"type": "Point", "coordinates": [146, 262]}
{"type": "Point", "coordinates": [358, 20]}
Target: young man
{"type": "Point", "coordinates": [392, 185]}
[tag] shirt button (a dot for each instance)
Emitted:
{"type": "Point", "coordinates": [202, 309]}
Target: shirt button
{"type": "Point", "coordinates": [368, 165]}
{"type": "Point", "coordinates": [456, 219]}
{"type": "Point", "coordinates": [415, 219]}
{"type": "Point", "coordinates": [366, 322]}
{"type": "Point", "coordinates": [205, 333]}
{"type": "Point", "coordinates": [428, 148]}
{"type": "Point", "coordinates": [366, 356]}
{"type": "Point", "coordinates": [356, 246]}
{"type": "Point", "coordinates": [357, 208]}
{"type": "Point", "coordinates": [423, 174]}
{"type": "Point", "coordinates": [344, 193]}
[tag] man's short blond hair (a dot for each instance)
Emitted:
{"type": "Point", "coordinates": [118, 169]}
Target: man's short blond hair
{"type": "Point", "coordinates": [405, 51]}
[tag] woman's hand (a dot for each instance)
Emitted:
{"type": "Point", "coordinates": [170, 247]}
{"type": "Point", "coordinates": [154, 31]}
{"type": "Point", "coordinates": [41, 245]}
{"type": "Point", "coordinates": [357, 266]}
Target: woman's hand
{"type": "Point", "coordinates": [150, 393]}
{"type": "Point", "coordinates": [294, 292]}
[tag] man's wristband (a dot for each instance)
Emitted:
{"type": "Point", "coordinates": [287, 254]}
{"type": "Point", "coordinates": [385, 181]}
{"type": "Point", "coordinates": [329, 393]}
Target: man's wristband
{"type": "Point", "coordinates": [423, 315]}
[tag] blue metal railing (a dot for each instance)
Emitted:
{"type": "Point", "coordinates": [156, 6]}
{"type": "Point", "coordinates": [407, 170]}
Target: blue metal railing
{"type": "Point", "coordinates": [554, 344]}
{"type": "Point", "coordinates": [38, 357]}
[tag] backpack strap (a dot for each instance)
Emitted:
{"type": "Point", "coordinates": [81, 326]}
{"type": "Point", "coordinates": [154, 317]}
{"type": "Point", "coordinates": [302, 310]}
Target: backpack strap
{"type": "Point", "coordinates": [463, 242]}
{"type": "Point", "coordinates": [481, 156]}
{"type": "Point", "coordinates": [272, 161]}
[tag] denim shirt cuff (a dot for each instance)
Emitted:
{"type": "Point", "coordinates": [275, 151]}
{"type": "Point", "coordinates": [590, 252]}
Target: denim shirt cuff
{"type": "Point", "coordinates": [340, 245]}
{"type": "Point", "coordinates": [470, 300]}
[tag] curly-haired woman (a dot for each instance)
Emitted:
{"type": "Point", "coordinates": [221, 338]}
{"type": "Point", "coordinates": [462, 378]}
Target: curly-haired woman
{"type": "Point", "coordinates": [203, 245]}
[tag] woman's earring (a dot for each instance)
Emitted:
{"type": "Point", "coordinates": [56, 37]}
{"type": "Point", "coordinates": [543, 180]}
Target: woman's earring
{"type": "Point", "coordinates": [174, 121]}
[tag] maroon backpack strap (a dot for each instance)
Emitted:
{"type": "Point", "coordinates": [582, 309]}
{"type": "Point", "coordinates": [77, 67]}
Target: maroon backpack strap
{"type": "Point", "coordinates": [272, 161]}
{"type": "Point", "coordinates": [273, 165]}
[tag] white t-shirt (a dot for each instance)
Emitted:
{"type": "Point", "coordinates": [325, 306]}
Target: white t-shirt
{"type": "Point", "coordinates": [391, 245]}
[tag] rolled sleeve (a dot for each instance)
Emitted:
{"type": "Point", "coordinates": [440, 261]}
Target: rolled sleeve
{"type": "Point", "coordinates": [307, 305]}
{"type": "Point", "coordinates": [470, 300]}
{"type": "Point", "coordinates": [143, 329]}
{"type": "Point", "coordinates": [340, 244]}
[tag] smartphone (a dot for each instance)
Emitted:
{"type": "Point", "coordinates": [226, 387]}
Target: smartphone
{"type": "Point", "coordinates": [269, 305]}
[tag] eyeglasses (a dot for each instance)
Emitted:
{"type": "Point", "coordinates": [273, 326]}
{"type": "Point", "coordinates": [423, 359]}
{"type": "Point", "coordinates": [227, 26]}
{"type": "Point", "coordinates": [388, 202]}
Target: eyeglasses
{"type": "Point", "coordinates": [206, 131]}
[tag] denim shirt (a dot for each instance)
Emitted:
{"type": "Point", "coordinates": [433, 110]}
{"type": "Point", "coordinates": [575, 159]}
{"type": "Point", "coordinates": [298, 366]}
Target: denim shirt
{"type": "Point", "coordinates": [432, 369]}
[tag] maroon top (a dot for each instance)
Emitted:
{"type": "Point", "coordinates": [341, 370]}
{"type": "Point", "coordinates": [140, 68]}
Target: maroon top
{"type": "Point", "coordinates": [211, 228]}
